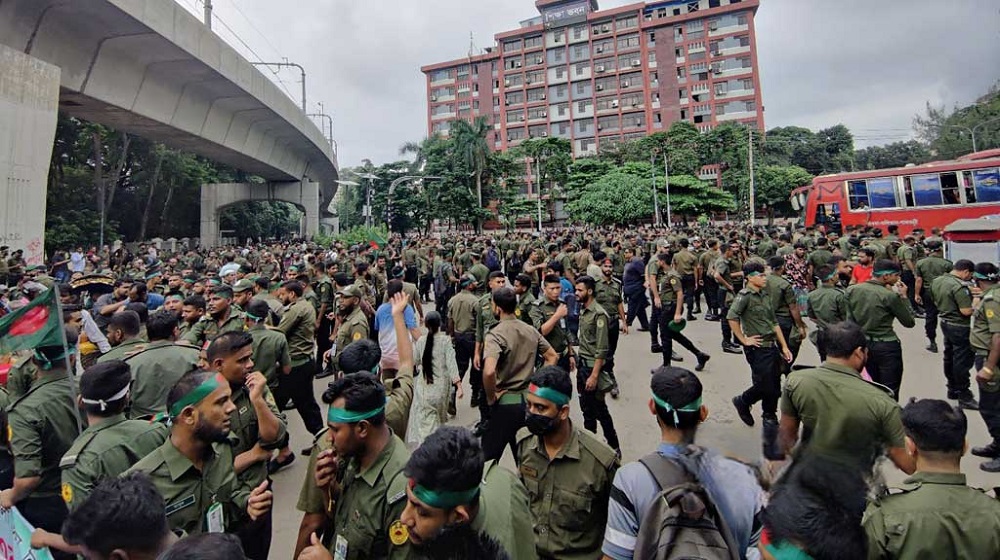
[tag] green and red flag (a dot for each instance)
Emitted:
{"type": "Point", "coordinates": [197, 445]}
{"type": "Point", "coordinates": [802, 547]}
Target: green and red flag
{"type": "Point", "coordinates": [376, 240]}
{"type": "Point", "coordinates": [36, 324]}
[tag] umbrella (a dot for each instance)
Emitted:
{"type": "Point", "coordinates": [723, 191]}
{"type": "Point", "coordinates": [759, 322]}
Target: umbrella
{"type": "Point", "coordinates": [93, 283]}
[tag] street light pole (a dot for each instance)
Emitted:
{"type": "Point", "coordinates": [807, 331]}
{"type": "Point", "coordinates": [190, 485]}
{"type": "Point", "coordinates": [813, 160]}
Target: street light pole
{"type": "Point", "coordinates": [666, 174]}
{"type": "Point", "coordinates": [284, 64]}
{"type": "Point", "coordinates": [392, 188]}
{"type": "Point", "coordinates": [208, 14]}
{"type": "Point", "coordinates": [368, 196]}
{"type": "Point", "coordinates": [656, 198]}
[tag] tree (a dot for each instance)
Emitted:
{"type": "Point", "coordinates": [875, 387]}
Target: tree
{"type": "Point", "coordinates": [584, 172]}
{"type": "Point", "coordinates": [948, 133]}
{"type": "Point", "coordinates": [470, 142]}
{"type": "Point", "coordinates": [897, 154]}
{"type": "Point", "coordinates": [633, 201]}
{"type": "Point", "coordinates": [550, 161]}
{"type": "Point", "coordinates": [774, 185]}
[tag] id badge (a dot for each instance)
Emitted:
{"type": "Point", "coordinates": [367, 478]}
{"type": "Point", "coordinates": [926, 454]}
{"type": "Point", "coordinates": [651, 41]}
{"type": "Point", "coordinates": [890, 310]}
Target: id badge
{"type": "Point", "coordinates": [340, 548]}
{"type": "Point", "coordinates": [215, 520]}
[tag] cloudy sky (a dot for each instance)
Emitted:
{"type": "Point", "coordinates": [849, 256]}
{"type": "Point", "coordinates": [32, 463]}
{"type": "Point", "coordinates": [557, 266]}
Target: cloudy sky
{"type": "Point", "coordinates": [869, 64]}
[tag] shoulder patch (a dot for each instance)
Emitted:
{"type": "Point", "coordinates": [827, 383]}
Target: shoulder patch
{"type": "Point", "coordinates": [357, 336]}
{"type": "Point", "coordinates": [67, 493]}
{"type": "Point", "coordinates": [399, 534]}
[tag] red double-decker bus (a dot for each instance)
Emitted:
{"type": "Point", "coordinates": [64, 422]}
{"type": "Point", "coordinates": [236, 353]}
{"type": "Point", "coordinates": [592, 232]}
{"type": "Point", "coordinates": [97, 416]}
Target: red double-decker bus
{"type": "Point", "coordinates": [931, 195]}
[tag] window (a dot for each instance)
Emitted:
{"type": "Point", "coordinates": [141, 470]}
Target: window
{"type": "Point", "coordinates": [532, 42]}
{"type": "Point", "coordinates": [923, 190]}
{"type": "Point", "coordinates": [873, 193]}
{"type": "Point", "coordinates": [628, 42]}
{"type": "Point", "coordinates": [742, 20]}
{"type": "Point", "coordinates": [511, 46]}
{"type": "Point", "coordinates": [987, 185]}
{"type": "Point", "coordinates": [950, 193]}
{"type": "Point", "coordinates": [857, 195]}
{"type": "Point", "coordinates": [578, 31]}
{"type": "Point", "coordinates": [652, 38]}
{"type": "Point", "coordinates": [652, 56]}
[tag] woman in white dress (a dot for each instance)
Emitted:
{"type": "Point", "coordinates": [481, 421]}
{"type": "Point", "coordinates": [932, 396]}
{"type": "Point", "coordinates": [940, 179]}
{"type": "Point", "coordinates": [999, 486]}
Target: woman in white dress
{"type": "Point", "coordinates": [438, 373]}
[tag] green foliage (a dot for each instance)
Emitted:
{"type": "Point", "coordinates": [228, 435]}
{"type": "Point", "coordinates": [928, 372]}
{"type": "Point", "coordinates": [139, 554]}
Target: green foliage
{"type": "Point", "coordinates": [774, 185]}
{"type": "Point", "coordinates": [362, 235]}
{"type": "Point", "coordinates": [633, 200]}
{"type": "Point", "coordinates": [948, 133]}
{"type": "Point", "coordinates": [584, 172]}
{"type": "Point", "coordinates": [830, 150]}
{"type": "Point", "coordinates": [897, 154]}
{"type": "Point", "coordinates": [260, 219]}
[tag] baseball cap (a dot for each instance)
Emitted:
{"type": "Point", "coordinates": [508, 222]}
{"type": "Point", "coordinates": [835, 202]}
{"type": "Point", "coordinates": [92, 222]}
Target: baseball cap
{"type": "Point", "coordinates": [350, 291]}
{"type": "Point", "coordinates": [242, 285]}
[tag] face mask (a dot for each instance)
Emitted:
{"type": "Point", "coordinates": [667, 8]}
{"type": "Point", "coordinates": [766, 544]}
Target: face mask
{"type": "Point", "coordinates": [540, 425]}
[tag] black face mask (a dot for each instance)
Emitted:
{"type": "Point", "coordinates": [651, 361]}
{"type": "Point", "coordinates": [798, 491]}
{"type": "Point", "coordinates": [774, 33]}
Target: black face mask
{"type": "Point", "coordinates": [541, 425]}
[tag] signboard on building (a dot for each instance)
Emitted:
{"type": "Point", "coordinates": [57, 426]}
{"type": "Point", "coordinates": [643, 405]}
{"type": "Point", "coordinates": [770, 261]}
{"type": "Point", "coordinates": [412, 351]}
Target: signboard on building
{"type": "Point", "coordinates": [566, 14]}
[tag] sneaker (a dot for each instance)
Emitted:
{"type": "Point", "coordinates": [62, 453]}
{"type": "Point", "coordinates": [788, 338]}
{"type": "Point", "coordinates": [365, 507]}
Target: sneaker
{"type": "Point", "coordinates": [932, 347]}
{"type": "Point", "coordinates": [642, 329]}
{"type": "Point", "coordinates": [274, 465]}
{"type": "Point", "coordinates": [655, 348]}
{"type": "Point", "coordinates": [732, 349]}
{"type": "Point", "coordinates": [474, 402]}
{"type": "Point", "coordinates": [968, 402]}
{"type": "Point", "coordinates": [702, 360]}
{"type": "Point", "coordinates": [675, 357]}
{"type": "Point", "coordinates": [743, 409]}
{"type": "Point", "coordinates": [991, 451]}
{"type": "Point", "coordinates": [991, 466]}
{"type": "Point", "coordinates": [691, 317]}
{"type": "Point", "coordinates": [711, 317]}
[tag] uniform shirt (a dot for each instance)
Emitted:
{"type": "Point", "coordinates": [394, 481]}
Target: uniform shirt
{"type": "Point", "coordinates": [950, 295]}
{"type": "Point", "coordinates": [298, 324]}
{"type": "Point", "coordinates": [827, 305]}
{"type": "Point", "coordinates": [609, 296]}
{"type": "Point", "coordinates": [684, 262]}
{"type": "Point", "coordinates": [515, 346]}
{"type": "Point", "coordinates": [906, 253]}
{"type": "Point", "coordinates": [930, 268]}
{"type": "Point", "coordinates": [462, 310]}
{"type": "Point", "coordinates": [782, 295]}
{"type": "Point", "coordinates": [707, 261]}
{"type": "Point", "coordinates": [593, 333]}
{"type": "Point", "coordinates": [818, 258]}
{"type": "Point", "coordinates": [525, 302]}
{"type": "Point", "coordinates": [569, 493]}
{"type": "Point", "coordinates": [123, 350]}
{"type": "Point", "coordinates": [753, 311]}
{"type": "Point", "coordinates": [843, 415]}
{"type": "Point", "coordinates": [364, 510]}
{"type": "Point", "coordinates": [653, 269]}
{"type": "Point", "coordinates": [156, 368]}
{"type": "Point", "coordinates": [270, 352]}
{"type": "Point", "coordinates": [189, 493]}
{"type": "Point", "coordinates": [208, 328]}
{"type": "Point", "coordinates": [106, 450]}
{"type": "Point", "coordinates": [324, 291]}
{"type": "Point", "coordinates": [669, 286]}
{"type": "Point", "coordinates": [731, 485]}
{"type": "Point", "coordinates": [504, 512]}
{"type": "Point", "coordinates": [42, 426]}
{"type": "Point", "coordinates": [986, 321]}
{"type": "Point", "coordinates": [933, 515]}
{"type": "Point", "coordinates": [21, 376]}
{"type": "Point", "coordinates": [244, 431]}
{"type": "Point", "coordinates": [874, 307]}
{"type": "Point", "coordinates": [482, 274]}
{"type": "Point", "coordinates": [485, 319]}
{"type": "Point", "coordinates": [541, 311]}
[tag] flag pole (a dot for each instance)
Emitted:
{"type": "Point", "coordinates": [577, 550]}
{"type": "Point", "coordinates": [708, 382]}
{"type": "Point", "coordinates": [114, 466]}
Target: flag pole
{"type": "Point", "coordinates": [74, 382]}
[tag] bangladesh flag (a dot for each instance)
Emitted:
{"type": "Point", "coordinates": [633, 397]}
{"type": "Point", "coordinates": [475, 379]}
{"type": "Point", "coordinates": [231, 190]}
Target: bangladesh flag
{"type": "Point", "coordinates": [36, 324]}
{"type": "Point", "coordinates": [376, 240]}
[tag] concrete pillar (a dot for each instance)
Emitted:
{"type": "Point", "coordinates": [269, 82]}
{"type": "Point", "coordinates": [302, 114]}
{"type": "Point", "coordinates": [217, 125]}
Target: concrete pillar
{"type": "Point", "coordinates": [29, 104]}
{"type": "Point", "coordinates": [304, 194]}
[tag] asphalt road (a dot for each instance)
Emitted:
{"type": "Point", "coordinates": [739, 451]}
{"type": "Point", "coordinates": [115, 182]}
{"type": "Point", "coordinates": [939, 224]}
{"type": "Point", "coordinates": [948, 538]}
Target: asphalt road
{"type": "Point", "coordinates": [725, 376]}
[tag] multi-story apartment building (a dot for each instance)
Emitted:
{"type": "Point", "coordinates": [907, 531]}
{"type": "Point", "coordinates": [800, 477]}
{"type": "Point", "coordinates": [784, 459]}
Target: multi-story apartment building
{"type": "Point", "coordinates": [595, 76]}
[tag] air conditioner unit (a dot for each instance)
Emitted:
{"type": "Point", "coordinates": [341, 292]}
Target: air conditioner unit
{"type": "Point", "coordinates": [717, 70]}
{"type": "Point", "coordinates": [506, 83]}
{"type": "Point", "coordinates": [434, 98]}
{"type": "Point", "coordinates": [527, 81]}
{"type": "Point", "coordinates": [521, 118]}
{"type": "Point", "coordinates": [636, 104]}
{"type": "Point", "coordinates": [600, 87]}
{"type": "Point", "coordinates": [713, 26]}
{"type": "Point", "coordinates": [538, 60]}
{"type": "Point", "coordinates": [625, 84]}
{"type": "Point", "coordinates": [507, 103]}
{"type": "Point", "coordinates": [544, 134]}
{"type": "Point", "coordinates": [605, 28]}
{"type": "Point", "coordinates": [599, 49]}
{"type": "Point", "coordinates": [614, 104]}
{"type": "Point", "coordinates": [542, 96]}
{"type": "Point", "coordinates": [600, 128]}
{"type": "Point", "coordinates": [636, 63]}
{"type": "Point", "coordinates": [599, 69]}
{"type": "Point", "coordinates": [517, 64]}
{"type": "Point", "coordinates": [543, 114]}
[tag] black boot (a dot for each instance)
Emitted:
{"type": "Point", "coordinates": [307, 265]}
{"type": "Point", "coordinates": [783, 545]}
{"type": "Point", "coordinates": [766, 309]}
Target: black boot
{"type": "Point", "coordinates": [769, 435]}
{"type": "Point", "coordinates": [991, 451]}
{"type": "Point", "coordinates": [702, 360]}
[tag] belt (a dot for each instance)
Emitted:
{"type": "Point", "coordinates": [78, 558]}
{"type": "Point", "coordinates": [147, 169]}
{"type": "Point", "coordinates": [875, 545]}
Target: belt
{"type": "Point", "coordinates": [511, 397]}
{"type": "Point", "coordinates": [882, 339]}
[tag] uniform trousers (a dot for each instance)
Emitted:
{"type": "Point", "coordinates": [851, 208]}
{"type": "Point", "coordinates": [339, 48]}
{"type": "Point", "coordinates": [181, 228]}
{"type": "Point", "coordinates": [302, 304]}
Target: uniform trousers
{"type": "Point", "coordinates": [688, 285]}
{"type": "Point", "coordinates": [654, 325]}
{"type": "Point", "coordinates": [885, 364]}
{"type": "Point", "coordinates": [323, 342]}
{"type": "Point", "coordinates": [465, 350]}
{"type": "Point", "coordinates": [298, 385]}
{"type": "Point", "coordinates": [958, 359]}
{"type": "Point", "coordinates": [711, 290]}
{"type": "Point", "coordinates": [989, 403]}
{"type": "Point", "coordinates": [794, 344]}
{"type": "Point", "coordinates": [765, 378]}
{"type": "Point", "coordinates": [46, 513]}
{"type": "Point", "coordinates": [668, 335]}
{"type": "Point", "coordinates": [501, 431]}
{"type": "Point", "coordinates": [613, 336]}
{"type": "Point", "coordinates": [930, 315]}
{"type": "Point", "coordinates": [255, 536]}
{"type": "Point", "coordinates": [593, 406]}
{"type": "Point", "coordinates": [727, 331]}
{"type": "Point", "coordinates": [911, 282]}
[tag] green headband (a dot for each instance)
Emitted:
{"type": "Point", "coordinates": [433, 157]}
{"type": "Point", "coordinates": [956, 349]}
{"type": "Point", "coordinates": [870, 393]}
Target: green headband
{"type": "Point", "coordinates": [987, 277]}
{"type": "Point", "coordinates": [252, 316]}
{"type": "Point", "coordinates": [885, 272]}
{"type": "Point", "coordinates": [752, 274]}
{"type": "Point", "coordinates": [693, 406]}
{"type": "Point", "coordinates": [47, 363]}
{"type": "Point", "coordinates": [199, 393]}
{"type": "Point", "coordinates": [344, 416]}
{"type": "Point", "coordinates": [786, 551]}
{"type": "Point", "coordinates": [549, 394]}
{"type": "Point", "coordinates": [443, 499]}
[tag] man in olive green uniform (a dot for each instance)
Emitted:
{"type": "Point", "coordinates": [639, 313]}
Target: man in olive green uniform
{"type": "Point", "coordinates": [263, 293]}
{"type": "Point", "coordinates": [874, 305]}
{"type": "Point", "coordinates": [324, 326]}
{"type": "Point", "coordinates": [157, 365]}
{"type": "Point", "coordinates": [242, 294]}
{"type": "Point", "coordinates": [111, 444]}
{"type": "Point", "coordinates": [752, 320]}
{"type": "Point", "coordinates": [953, 300]}
{"type": "Point", "coordinates": [933, 514]}
{"type": "Point", "coordinates": [818, 258]}
{"type": "Point", "coordinates": [560, 463]}
{"type": "Point", "coordinates": [846, 419]}
{"type": "Point", "coordinates": [928, 269]}
{"type": "Point", "coordinates": [270, 348]}
{"type": "Point", "coordinates": [654, 277]}
{"type": "Point", "coordinates": [479, 270]}
{"type": "Point", "coordinates": [123, 335]}
{"type": "Point", "coordinates": [786, 308]}
{"type": "Point", "coordinates": [906, 256]}
{"type": "Point", "coordinates": [41, 427]}
{"type": "Point", "coordinates": [298, 324]}
{"type": "Point", "coordinates": [672, 297]}
{"type": "Point", "coordinates": [197, 480]}
{"type": "Point", "coordinates": [351, 322]}
{"type": "Point", "coordinates": [485, 320]}
{"type": "Point", "coordinates": [685, 263]}
{"type": "Point", "coordinates": [221, 317]}
{"type": "Point", "coordinates": [985, 340]}
{"type": "Point", "coordinates": [548, 316]}
{"type": "Point", "coordinates": [706, 263]}
{"type": "Point", "coordinates": [525, 299]}
{"type": "Point", "coordinates": [827, 305]}
{"type": "Point", "coordinates": [257, 427]}
{"type": "Point", "coordinates": [511, 349]}
{"type": "Point", "coordinates": [609, 297]}
{"type": "Point", "coordinates": [463, 308]}
{"type": "Point", "coordinates": [591, 380]}
{"type": "Point", "coordinates": [728, 276]}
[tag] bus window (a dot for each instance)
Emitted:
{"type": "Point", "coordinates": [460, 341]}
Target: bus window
{"type": "Point", "coordinates": [987, 183]}
{"type": "Point", "coordinates": [949, 188]}
{"type": "Point", "coordinates": [857, 195]}
{"type": "Point", "coordinates": [907, 192]}
{"type": "Point", "coordinates": [882, 192]}
{"type": "Point", "coordinates": [970, 190]}
{"type": "Point", "coordinates": [926, 190]}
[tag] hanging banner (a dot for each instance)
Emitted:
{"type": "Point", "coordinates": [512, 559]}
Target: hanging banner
{"type": "Point", "coordinates": [15, 538]}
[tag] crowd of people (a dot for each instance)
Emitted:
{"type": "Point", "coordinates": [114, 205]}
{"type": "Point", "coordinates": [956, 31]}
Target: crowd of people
{"type": "Point", "coordinates": [155, 430]}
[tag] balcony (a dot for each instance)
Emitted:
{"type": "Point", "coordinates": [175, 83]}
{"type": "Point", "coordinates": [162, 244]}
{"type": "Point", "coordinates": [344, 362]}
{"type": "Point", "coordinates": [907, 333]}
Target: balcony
{"type": "Point", "coordinates": [736, 116]}
{"type": "Point", "coordinates": [728, 29]}
{"type": "Point", "coordinates": [440, 116]}
{"type": "Point", "coordinates": [685, 100]}
{"type": "Point", "coordinates": [731, 51]}
{"type": "Point", "coordinates": [443, 82]}
{"type": "Point", "coordinates": [734, 93]}
{"type": "Point", "coordinates": [734, 72]}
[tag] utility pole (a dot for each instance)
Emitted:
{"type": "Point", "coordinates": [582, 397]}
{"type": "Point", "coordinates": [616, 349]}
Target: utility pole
{"type": "Point", "coordinates": [208, 14]}
{"type": "Point", "coordinates": [753, 213]}
{"type": "Point", "coordinates": [666, 174]}
{"type": "Point", "coordinates": [284, 64]}
{"type": "Point", "coordinates": [656, 198]}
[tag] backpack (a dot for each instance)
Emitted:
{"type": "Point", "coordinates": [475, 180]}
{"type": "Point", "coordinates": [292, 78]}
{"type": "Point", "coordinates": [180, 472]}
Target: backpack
{"type": "Point", "coordinates": [492, 260]}
{"type": "Point", "coordinates": [441, 278]}
{"type": "Point", "coordinates": [682, 522]}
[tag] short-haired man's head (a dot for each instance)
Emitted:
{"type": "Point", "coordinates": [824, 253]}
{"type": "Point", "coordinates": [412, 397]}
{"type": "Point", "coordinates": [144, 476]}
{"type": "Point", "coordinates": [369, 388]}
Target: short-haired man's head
{"type": "Point", "coordinates": [104, 388]}
{"type": "Point", "coordinates": [935, 427]}
{"type": "Point", "coordinates": [206, 546]}
{"type": "Point", "coordinates": [505, 299]}
{"type": "Point", "coordinates": [187, 383]}
{"type": "Point", "coordinates": [448, 460]}
{"type": "Point", "coordinates": [393, 287]}
{"type": "Point", "coordinates": [162, 324]}
{"type": "Point", "coordinates": [551, 279]}
{"type": "Point", "coordinates": [776, 262]}
{"type": "Point", "coordinates": [523, 280]}
{"type": "Point", "coordinates": [964, 265]}
{"type": "Point", "coordinates": [196, 301]}
{"type": "Point", "coordinates": [753, 268]}
{"type": "Point", "coordinates": [843, 339]}
{"type": "Point", "coordinates": [258, 310]}
{"type": "Point", "coordinates": [361, 392]}
{"type": "Point", "coordinates": [126, 322]}
{"type": "Point", "coordinates": [227, 344]}
{"type": "Point", "coordinates": [553, 377]}
{"type": "Point", "coordinates": [293, 286]}
{"type": "Point", "coordinates": [826, 272]}
{"type": "Point", "coordinates": [360, 356]}
{"type": "Point", "coordinates": [124, 513]}
{"type": "Point", "coordinates": [681, 390]}
{"type": "Point", "coordinates": [588, 282]}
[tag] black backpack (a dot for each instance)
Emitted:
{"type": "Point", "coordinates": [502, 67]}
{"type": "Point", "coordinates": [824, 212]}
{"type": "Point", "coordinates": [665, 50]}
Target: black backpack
{"type": "Point", "coordinates": [492, 259]}
{"type": "Point", "coordinates": [682, 522]}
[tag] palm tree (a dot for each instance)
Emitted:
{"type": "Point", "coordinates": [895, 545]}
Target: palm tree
{"type": "Point", "coordinates": [472, 147]}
